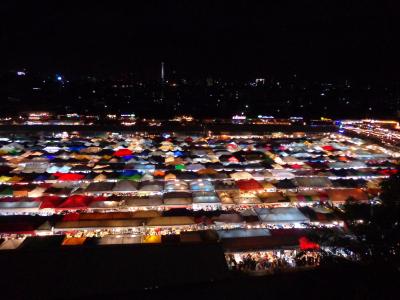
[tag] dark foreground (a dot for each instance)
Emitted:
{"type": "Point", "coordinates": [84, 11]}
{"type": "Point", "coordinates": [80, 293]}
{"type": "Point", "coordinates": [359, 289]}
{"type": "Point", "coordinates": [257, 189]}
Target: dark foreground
{"type": "Point", "coordinates": [335, 282]}
{"type": "Point", "coordinates": [172, 271]}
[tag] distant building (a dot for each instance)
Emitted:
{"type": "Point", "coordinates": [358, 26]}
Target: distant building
{"type": "Point", "coordinates": [238, 119]}
{"type": "Point", "coordinates": [38, 115]}
{"type": "Point", "coordinates": [260, 81]}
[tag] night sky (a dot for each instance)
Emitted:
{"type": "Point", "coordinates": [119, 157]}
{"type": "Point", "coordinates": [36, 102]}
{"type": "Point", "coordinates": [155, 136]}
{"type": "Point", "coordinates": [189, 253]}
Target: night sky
{"type": "Point", "coordinates": [318, 39]}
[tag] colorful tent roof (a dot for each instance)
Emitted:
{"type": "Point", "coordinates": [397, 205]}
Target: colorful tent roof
{"type": "Point", "coordinates": [75, 201]}
{"type": "Point", "coordinates": [69, 176]}
{"type": "Point", "coordinates": [122, 152]}
{"type": "Point", "coordinates": [249, 185]}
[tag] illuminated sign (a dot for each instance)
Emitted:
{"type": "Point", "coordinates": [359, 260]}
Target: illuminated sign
{"type": "Point", "coordinates": [237, 117]}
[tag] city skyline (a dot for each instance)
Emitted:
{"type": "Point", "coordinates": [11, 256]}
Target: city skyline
{"type": "Point", "coordinates": [169, 94]}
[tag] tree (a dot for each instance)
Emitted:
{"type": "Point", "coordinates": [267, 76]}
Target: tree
{"type": "Point", "coordinates": [354, 210]}
{"type": "Point", "coordinates": [390, 195]}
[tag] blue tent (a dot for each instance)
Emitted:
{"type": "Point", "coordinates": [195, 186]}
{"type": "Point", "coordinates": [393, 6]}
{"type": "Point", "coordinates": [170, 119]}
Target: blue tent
{"type": "Point", "coordinates": [145, 152]}
{"type": "Point", "coordinates": [178, 153]}
{"type": "Point", "coordinates": [76, 148]}
{"type": "Point", "coordinates": [42, 177]}
{"type": "Point", "coordinates": [130, 172]}
{"type": "Point", "coordinates": [127, 157]}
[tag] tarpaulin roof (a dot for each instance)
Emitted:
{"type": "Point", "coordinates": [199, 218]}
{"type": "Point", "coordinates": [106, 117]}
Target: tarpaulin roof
{"type": "Point", "coordinates": [205, 197]}
{"type": "Point", "coordinates": [249, 185]}
{"type": "Point", "coordinates": [99, 187]}
{"type": "Point", "coordinates": [308, 198]}
{"type": "Point", "coordinates": [96, 224]}
{"type": "Point", "coordinates": [76, 201]}
{"type": "Point", "coordinates": [341, 195]}
{"type": "Point", "coordinates": [242, 233]}
{"type": "Point", "coordinates": [73, 241]}
{"type": "Point", "coordinates": [306, 244]}
{"type": "Point", "coordinates": [142, 201]}
{"type": "Point", "coordinates": [315, 182]}
{"type": "Point", "coordinates": [122, 152]}
{"type": "Point", "coordinates": [11, 244]}
{"type": "Point", "coordinates": [171, 221]}
{"type": "Point", "coordinates": [125, 186]}
{"type": "Point", "coordinates": [281, 215]}
{"type": "Point", "coordinates": [177, 198]}
{"type": "Point", "coordinates": [50, 201]}
{"type": "Point", "coordinates": [69, 176]}
{"type": "Point", "coordinates": [20, 205]}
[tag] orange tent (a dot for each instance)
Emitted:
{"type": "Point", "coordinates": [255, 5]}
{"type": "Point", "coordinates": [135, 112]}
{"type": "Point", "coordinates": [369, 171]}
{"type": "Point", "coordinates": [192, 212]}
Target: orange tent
{"type": "Point", "coordinates": [159, 173]}
{"type": "Point", "coordinates": [73, 241]}
{"type": "Point", "coordinates": [207, 171]}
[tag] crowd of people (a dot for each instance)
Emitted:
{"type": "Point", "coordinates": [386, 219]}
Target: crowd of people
{"type": "Point", "coordinates": [272, 261]}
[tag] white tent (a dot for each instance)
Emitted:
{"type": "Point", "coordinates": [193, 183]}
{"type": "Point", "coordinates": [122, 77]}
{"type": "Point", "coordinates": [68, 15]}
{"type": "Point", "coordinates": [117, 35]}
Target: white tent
{"type": "Point", "coordinates": [21, 205]}
{"type": "Point", "coordinates": [113, 240]}
{"type": "Point", "coordinates": [242, 233]}
{"type": "Point", "coordinates": [99, 187]}
{"type": "Point", "coordinates": [142, 201]}
{"type": "Point", "coordinates": [313, 182]}
{"type": "Point", "coordinates": [125, 186]}
{"type": "Point", "coordinates": [194, 167]}
{"type": "Point", "coordinates": [281, 174]}
{"type": "Point", "coordinates": [151, 186]}
{"type": "Point", "coordinates": [281, 215]}
{"type": "Point", "coordinates": [11, 244]}
{"type": "Point", "coordinates": [241, 176]}
{"type": "Point", "coordinates": [205, 197]}
{"type": "Point", "coordinates": [104, 204]}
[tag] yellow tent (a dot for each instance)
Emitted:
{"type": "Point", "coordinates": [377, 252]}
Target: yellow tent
{"type": "Point", "coordinates": [15, 179]}
{"type": "Point", "coordinates": [4, 178]}
{"type": "Point", "coordinates": [170, 176]}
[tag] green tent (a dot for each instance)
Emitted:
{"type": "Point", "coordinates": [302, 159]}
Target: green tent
{"type": "Point", "coordinates": [135, 177]}
{"type": "Point", "coordinates": [7, 191]}
{"type": "Point", "coordinates": [180, 167]}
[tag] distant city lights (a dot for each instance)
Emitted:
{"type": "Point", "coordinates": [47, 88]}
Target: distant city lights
{"type": "Point", "coordinates": [265, 117]}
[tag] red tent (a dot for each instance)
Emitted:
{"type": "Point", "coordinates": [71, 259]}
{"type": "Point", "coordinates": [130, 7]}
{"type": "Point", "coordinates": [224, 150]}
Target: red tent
{"type": "Point", "coordinates": [50, 201]}
{"type": "Point", "coordinates": [306, 244]}
{"type": "Point", "coordinates": [328, 148]}
{"type": "Point", "coordinates": [296, 166]}
{"type": "Point", "coordinates": [249, 185]}
{"type": "Point", "coordinates": [71, 217]}
{"type": "Point", "coordinates": [233, 159]}
{"type": "Point", "coordinates": [76, 201]}
{"type": "Point", "coordinates": [321, 217]}
{"type": "Point", "coordinates": [9, 199]}
{"type": "Point", "coordinates": [387, 172]}
{"type": "Point", "coordinates": [99, 198]}
{"type": "Point", "coordinates": [122, 152]}
{"type": "Point", "coordinates": [69, 176]}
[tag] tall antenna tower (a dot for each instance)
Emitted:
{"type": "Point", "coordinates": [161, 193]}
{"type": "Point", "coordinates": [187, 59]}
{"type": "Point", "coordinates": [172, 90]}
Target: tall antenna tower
{"type": "Point", "coordinates": [162, 73]}
{"type": "Point", "coordinates": [162, 82]}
